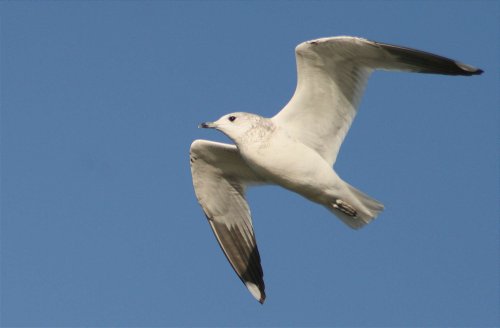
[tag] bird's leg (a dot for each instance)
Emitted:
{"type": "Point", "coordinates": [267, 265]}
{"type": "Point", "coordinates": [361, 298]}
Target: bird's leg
{"type": "Point", "coordinates": [344, 208]}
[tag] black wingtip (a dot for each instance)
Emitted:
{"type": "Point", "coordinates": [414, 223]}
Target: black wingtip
{"type": "Point", "coordinates": [262, 295]}
{"type": "Point", "coordinates": [469, 70]}
{"type": "Point", "coordinates": [426, 62]}
{"type": "Point", "coordinates": [478, 72]}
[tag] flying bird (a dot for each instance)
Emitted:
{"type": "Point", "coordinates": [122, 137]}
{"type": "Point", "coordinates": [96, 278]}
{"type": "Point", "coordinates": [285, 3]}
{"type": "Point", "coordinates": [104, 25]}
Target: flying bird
{"type": "Point", "coordinates": [297, 148]}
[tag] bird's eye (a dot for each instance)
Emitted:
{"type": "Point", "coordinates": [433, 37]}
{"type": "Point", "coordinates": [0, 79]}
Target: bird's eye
{"type": "Point", "coordinates": [231, 118]}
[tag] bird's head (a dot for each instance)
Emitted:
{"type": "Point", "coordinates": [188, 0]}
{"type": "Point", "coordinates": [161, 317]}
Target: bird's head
{"type": "Point", "coordinates": [234, 125]}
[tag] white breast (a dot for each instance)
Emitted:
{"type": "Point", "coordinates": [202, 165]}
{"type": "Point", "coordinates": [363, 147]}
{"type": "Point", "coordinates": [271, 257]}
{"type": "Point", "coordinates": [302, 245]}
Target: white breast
{"type": "Point", "coordinates": [290, 164]}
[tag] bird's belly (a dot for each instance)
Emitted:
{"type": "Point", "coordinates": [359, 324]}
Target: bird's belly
{"type": "Point", "coordinates": [295, 167]}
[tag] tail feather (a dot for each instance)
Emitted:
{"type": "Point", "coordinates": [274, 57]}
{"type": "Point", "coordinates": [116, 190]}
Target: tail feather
{"type": "Point", "coordinates": [366, 208]}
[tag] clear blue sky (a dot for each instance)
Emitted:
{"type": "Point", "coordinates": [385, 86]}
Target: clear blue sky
{"type": "Point", "coordinates": [99, 223]}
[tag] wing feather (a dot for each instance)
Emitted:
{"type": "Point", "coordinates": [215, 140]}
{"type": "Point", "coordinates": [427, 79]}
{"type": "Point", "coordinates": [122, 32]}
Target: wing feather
{"type": "Point", "coordinates": [220, 177]}
{"type": "Point", "coordinates": [331, 77]}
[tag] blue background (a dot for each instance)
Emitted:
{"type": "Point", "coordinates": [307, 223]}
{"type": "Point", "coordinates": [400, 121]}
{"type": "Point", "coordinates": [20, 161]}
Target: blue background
{"type": "Point", "coordinates": [99, 223]}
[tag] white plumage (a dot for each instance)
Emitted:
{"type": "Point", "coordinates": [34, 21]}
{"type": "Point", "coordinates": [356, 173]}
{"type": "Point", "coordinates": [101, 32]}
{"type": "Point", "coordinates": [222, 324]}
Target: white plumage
{"type": "Point", "coordinates": [297, 148]}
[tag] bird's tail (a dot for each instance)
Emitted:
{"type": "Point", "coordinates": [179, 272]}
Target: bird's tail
{"type": "Point", "coordinates": [357, 210]}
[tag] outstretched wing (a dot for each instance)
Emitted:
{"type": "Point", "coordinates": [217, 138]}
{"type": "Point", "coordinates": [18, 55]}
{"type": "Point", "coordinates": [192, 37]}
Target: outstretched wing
{"type": "Point", "coordinates": [332, 73]}
{"type": "Point", "coordinates": [219, 177]}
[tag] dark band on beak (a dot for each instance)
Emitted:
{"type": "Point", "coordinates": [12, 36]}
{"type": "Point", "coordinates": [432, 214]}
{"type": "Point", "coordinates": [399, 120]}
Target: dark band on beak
{"type": "Point", "coordinates": [206, 125]}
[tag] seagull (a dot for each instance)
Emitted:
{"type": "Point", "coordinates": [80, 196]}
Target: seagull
{"type": "Point", "coordinates": [297, 148]}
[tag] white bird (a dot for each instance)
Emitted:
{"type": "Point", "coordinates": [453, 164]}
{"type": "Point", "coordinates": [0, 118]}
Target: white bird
{"type": "Point", "coordinates": [297, 148]}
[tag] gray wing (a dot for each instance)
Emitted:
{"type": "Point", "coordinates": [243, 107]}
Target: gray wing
{"type": "Point", "coordinates": [331, 76]}
{"type": "Point", "coordinates": [220, 177]}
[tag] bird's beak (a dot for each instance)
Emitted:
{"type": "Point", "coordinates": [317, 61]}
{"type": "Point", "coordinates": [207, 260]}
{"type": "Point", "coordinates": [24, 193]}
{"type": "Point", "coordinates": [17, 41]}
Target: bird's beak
{"type": "Point", "coordinates": [207, 125]}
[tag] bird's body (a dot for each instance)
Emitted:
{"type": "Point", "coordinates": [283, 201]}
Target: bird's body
{"type": "Point", "coordinates": [295, 166]}
{"type": "Point", "coordinates": [297, 148]}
